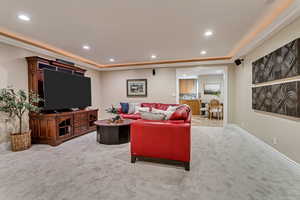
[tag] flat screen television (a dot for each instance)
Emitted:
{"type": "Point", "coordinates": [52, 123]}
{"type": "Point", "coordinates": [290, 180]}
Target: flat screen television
{"type": "Point", "coordinates": [65, 91]}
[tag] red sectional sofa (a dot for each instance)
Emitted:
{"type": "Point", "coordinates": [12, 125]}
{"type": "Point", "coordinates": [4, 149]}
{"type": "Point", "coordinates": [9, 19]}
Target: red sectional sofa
{"type": "Point", "coordinates": [165, 139]}
{"type": "Point", "coordinates": [160, 106]}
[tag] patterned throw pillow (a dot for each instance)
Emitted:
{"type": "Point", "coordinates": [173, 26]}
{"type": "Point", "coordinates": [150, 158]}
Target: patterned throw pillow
{"type": "Point", "coordinates": [139, 109]}
{"type": "Point", "coordinates": [152, 116]}
{"type": "Point", "coordinates": [165, 112]}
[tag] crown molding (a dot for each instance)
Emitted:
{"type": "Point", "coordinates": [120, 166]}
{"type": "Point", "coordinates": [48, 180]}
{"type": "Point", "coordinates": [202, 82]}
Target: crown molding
{"type": "Point", "coordinates": [169, 62]}
{"type": "Point", "coordinates": [174, 65]}
{"type": "Point", "coordinates": [282, 14]}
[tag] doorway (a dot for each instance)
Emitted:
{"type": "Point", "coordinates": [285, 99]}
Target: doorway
{"type": "Point", "coordinates": [204, 89]}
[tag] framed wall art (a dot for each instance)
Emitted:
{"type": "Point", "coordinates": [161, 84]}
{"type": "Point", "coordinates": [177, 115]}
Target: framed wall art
{"type": "Point", "coordinates": [137, 88]}
{"type": "Point", "coordinates": [282, 98]}
{"type": "Point", "coordinates": [280, 64]}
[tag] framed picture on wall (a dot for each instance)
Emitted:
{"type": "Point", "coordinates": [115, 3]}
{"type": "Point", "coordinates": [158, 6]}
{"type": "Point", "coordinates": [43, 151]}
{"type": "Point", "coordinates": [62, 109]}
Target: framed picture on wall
{"type": "Point", "coordinates": [212, 89]}
{"type": "Point", "coordinates": [136, 87]}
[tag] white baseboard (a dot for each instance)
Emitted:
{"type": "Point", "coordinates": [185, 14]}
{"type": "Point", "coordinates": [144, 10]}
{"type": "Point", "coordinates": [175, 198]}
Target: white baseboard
{"type": "Point", "coordinates": [268, 147]}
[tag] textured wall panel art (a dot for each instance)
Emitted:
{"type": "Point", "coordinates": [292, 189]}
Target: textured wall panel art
{"type": "Point", "coordinates": [281, 63]}
{"type": "Point", "coordinates": [281, 98]}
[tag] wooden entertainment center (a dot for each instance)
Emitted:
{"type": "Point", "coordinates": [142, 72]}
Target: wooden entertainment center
{"type": "Point", "coordinates": [57, 127]}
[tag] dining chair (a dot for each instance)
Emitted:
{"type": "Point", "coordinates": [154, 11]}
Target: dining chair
{"type": "Point", "coordinates": [215, 107]}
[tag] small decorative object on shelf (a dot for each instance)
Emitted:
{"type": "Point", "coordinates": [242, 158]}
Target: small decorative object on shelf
{"type": "Point", "coordinates": [15, 104]}
{"type": "Point", "coordinates": [114, 110]}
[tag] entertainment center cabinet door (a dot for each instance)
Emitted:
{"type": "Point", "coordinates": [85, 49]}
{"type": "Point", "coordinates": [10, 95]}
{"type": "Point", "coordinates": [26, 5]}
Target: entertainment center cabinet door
{"type": "Point", "coordinates": [81, 123]}
{"type": "Point", "coordinates": [43, 129]}
{"type": "Point", "coordinates": [93, 117]}
{"type": "Point", "coordinates": [64, 127]}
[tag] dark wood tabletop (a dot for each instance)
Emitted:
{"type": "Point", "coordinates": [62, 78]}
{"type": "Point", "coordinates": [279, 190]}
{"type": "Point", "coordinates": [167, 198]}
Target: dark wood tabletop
{"type": "Point", "coordinates": [106, 122]}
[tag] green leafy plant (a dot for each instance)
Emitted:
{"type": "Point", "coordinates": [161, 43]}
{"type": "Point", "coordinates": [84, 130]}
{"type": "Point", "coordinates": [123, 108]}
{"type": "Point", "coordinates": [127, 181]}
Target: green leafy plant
{"type": "Point", "coordinates": [16, 103]}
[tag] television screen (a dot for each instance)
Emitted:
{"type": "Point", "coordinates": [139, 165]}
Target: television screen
{"type": "Point", "coordinates": [66, 91]}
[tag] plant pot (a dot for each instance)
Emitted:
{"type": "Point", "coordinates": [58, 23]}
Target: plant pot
{"type": "Point", "coordinates": [20, 142]}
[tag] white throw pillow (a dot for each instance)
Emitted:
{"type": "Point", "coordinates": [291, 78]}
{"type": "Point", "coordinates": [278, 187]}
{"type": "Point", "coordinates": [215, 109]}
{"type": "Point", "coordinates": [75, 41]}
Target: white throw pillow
{"type": "Point", "coordinates": [132, 107]}
{"type": "Point", "coordinates": [158, 111]}
{"type": "Point", "coordinates": [172, 108]}
{"type": "Point", "coordinates": [139, 109]}
{"type": "Point", "coordinates": [152, 116]}
{"type": "Point", "coordinates": [165, 112]}
{"type": "Point", "coordinates": [136, 109]}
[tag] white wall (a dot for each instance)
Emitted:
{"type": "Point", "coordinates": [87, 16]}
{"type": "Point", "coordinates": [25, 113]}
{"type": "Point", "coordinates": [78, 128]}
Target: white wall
{"type": "Point", "coordinates": [266, 126]}
{"type": "Point", "coordinates": [211, 79]}
{"type": "Point", "coordinates": [161, 87]}
{"type": "Point", "coordinates": [231, 93]}
{"type": "Point", "coordinates": [13, 72]}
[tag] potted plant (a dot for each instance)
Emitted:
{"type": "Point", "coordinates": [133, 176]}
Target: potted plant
{"type": "Point", "coordinates": [15, 104]}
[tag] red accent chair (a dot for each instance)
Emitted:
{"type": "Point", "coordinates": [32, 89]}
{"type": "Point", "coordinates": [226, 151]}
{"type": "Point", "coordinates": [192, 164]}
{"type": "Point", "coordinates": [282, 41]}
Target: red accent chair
{"type": "Point", "coordinates": [165, 139]}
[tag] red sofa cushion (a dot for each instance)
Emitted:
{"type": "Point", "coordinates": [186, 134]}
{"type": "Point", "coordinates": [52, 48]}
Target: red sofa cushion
{"type": "Point", "coordinates": [131, 116]}
{"type": "Point", "coordinates": [149, 105]}
{"type": "Point", "coordinates": [161, 106]}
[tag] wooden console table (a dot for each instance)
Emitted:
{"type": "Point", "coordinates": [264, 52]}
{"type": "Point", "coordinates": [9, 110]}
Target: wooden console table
{"type": "Point", "coordinates": [56, 128]}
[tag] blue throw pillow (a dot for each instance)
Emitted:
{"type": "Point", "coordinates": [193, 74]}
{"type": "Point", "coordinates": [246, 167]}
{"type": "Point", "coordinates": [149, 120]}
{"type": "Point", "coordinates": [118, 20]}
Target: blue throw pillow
{"type": "Point", "coordinates": [125, 107]}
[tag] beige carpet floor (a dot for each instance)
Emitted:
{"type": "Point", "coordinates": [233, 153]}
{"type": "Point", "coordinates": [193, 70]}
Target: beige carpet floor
{"type": "Point", "coordinates": [199, 120]}
{"type": "Point", "coordinates": [227, 164]}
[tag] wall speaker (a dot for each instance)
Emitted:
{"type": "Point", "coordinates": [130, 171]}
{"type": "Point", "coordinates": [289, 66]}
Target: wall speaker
{"type": "Point", "coordinates": [238, 61]}
{"type": "Point", "coordinates": [153, 72]}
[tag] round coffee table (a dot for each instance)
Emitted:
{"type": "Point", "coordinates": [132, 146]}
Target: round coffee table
{"type": "Point", "coordinates": [113, 133]}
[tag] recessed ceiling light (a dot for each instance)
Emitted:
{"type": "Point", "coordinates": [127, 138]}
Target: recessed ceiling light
{"type": "Point", "coordinates": [153, 56]}
{"type": "Point", "coordinates": [86, 47]}
{"type": "Point", "coordinates": [24, 17]}
{"type": "Point", "coordinates": [111, 60]}
{"type": "Point", "coordinates": [208, 33]}
{"type": "Point", "coordinates": [203, 52]}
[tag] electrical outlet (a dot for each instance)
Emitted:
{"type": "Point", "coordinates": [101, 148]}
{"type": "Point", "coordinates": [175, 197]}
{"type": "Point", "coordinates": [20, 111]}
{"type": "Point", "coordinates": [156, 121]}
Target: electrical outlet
{"type": "Point", "coordinates": [274, 141]}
